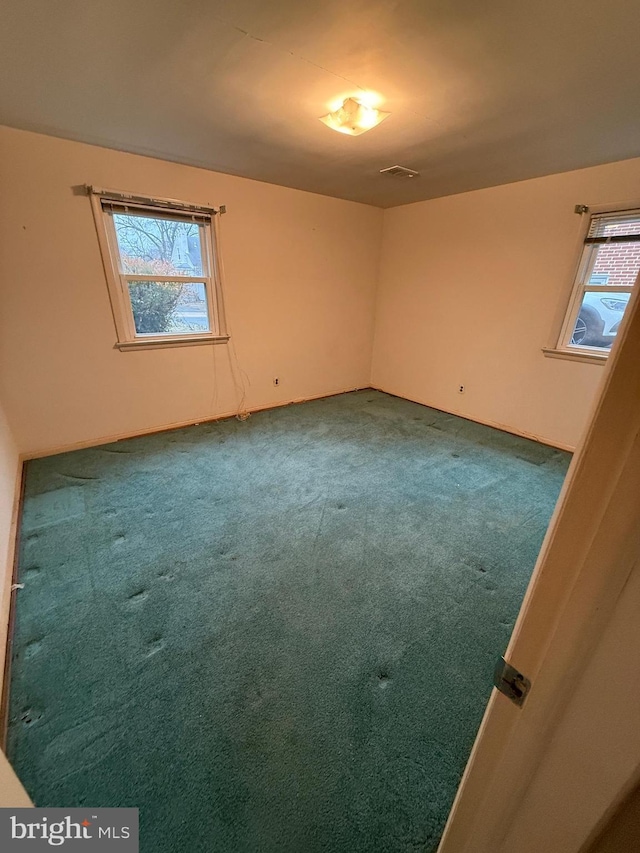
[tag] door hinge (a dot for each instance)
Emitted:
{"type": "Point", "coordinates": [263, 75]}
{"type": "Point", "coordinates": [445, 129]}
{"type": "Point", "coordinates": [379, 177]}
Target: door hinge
{"type": "Point", "coordinates": [509, 681]}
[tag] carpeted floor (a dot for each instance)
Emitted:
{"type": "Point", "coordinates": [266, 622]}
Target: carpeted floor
{"type": "Point", "coordinates": [273, 635]}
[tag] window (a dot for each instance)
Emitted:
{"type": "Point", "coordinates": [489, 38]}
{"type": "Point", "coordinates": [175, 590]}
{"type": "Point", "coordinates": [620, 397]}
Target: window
{"type": "Point", "coordinates": [606, 276]}
{"type": "Point", "coordinates": [162, 270]}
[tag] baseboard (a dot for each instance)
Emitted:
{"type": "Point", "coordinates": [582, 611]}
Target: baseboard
{"type": "Point", "coordinates": [494, 424]}
{"type": "Point", "coordinates": [109, 439]}
{"type": "Point", "coordinates": [8, 615]}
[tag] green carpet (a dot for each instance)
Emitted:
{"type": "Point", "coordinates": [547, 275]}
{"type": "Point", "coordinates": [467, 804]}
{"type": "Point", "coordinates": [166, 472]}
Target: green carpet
{"type": "Point", "coordinates": [277, 634]}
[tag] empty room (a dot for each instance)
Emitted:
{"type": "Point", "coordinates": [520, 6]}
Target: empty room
{"type": "Point", "coordinates": [319, 418]}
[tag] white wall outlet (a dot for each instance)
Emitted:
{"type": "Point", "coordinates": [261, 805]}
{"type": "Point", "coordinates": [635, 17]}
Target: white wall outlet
{"type": "Point", "coordinates": [460, 389]}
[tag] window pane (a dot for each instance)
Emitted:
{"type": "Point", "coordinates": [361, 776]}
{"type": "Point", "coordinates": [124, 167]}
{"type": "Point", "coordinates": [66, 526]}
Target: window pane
{"type": "Point", "coordinates": [614, 264]}
{"type": "Point", "coordinates": [599, 318]}
{"type": "Point", "coordinates": [169, 307]}
{"type": "Point", "coordinates": [150, 246]}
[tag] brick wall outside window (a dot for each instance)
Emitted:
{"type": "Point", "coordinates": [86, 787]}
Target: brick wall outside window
{"type": "Point", "coordinates": [620, 261]}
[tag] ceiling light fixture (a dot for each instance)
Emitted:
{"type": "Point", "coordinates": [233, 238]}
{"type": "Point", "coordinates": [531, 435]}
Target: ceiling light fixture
{"type": "Point", "coordinates": [354, 118]}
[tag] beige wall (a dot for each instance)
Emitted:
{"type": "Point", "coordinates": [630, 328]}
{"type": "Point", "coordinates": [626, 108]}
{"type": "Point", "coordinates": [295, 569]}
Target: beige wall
{"type": "Point", "coordinates": [472, 287]}
{"type": "Point", "coordinates": [300, 275]}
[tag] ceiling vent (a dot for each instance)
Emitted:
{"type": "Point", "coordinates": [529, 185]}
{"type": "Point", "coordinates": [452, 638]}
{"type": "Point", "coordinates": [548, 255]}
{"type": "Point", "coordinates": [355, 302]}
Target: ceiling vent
{"type": "Point", "coordinates": [400, 172]}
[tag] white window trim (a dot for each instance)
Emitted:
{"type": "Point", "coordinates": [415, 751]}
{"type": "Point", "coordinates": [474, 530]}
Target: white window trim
{"type": "Point", "coordinates": [586, 354]}
{"type": "Point", "coordinates": [562, 349]}
{"type": "Point", "coordinates": [127, 338]}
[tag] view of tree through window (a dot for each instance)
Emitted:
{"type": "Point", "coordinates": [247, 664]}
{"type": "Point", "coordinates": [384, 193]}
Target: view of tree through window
{"type": "Point", "coordinates": [165, 251]}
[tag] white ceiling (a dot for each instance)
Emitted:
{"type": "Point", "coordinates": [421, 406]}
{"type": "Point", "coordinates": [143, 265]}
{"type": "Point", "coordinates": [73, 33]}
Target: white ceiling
{"type": "Point", "coordinates": [481, 92]}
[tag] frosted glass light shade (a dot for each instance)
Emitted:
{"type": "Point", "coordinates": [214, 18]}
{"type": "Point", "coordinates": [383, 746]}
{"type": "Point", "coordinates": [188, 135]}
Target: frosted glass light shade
{"type": "Point", "coordinates": [354, 118]}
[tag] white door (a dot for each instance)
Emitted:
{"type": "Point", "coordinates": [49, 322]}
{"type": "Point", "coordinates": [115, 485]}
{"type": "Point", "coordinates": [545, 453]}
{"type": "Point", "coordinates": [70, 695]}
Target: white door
{"type": "Point", "coordinates": [543, 777]}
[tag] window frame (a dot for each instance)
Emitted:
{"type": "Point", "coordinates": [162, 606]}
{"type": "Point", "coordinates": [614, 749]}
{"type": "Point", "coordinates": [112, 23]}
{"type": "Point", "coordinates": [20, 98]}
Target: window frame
{"type": "Point", "coordinates": [118, 280]}
{"type": "Point", "coordinates": [588, 254]}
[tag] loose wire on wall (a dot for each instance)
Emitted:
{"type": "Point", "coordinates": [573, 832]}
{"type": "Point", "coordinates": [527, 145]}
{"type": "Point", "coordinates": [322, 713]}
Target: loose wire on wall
{"type": "Point", "coordinates": [238, 375]}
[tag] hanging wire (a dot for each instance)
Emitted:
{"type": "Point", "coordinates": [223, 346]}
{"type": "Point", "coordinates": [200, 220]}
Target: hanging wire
{"type": "Point", "coordinates": [238, 375]}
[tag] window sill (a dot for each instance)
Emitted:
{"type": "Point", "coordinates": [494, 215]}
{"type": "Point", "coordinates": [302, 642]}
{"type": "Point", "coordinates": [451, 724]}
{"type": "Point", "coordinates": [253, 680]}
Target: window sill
{"type": "Point", "coordinates": [158, 343]}
{"type": "Point", "coordinates": [576, 355]}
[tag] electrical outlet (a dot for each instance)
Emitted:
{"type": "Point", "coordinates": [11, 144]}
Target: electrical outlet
{"type": "Point", "coordinates": [460, 389]}
{"type": "Point", "coordinates": [276, 380]}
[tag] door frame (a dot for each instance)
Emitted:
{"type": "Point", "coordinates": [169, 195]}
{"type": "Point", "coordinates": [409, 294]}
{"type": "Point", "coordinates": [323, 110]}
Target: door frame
{"type": "Point", "coordinates": [591, 548]}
